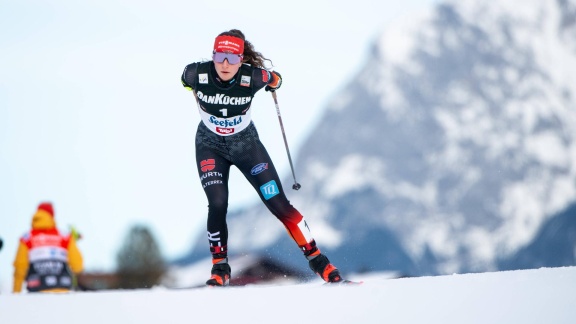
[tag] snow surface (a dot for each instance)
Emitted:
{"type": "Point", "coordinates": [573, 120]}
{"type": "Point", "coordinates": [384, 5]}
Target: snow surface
{"type": "Point", "coordinates": [544, 295]}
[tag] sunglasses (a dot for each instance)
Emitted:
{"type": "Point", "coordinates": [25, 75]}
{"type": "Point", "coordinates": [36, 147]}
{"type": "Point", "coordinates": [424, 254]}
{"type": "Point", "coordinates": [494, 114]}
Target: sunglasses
{"type": "Point", "coordinates": [219, 57]}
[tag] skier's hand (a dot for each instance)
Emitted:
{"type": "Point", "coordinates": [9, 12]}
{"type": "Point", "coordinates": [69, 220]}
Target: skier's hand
{"type": "Point", "coordinates": [276, 82]}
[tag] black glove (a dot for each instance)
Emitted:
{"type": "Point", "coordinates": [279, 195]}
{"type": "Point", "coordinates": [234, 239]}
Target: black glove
{"type": "Point", "coordinates": [277, 81]}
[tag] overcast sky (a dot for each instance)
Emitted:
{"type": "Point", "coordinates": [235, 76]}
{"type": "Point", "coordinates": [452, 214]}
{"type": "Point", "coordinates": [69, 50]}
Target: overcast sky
{"type": "Point", "coordinates": [93, 116]}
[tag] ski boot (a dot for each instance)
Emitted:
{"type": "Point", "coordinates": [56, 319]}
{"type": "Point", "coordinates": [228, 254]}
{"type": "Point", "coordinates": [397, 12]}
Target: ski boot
{"type": "Point", "coordinates": [220, 275]}
{"type": "Point", "coordinates": [326, 270]}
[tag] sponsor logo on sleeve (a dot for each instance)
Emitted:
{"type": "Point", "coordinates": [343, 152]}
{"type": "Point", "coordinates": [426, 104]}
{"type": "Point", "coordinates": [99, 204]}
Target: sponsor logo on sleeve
{"type": "Point", "coordinates": [206, 175]}
{"type": "Point", "coordinates": [203, 78]}
{"type": "Point", "coordinates": [269, 189]}
{"type": "Point", "coordinates": [207, 165]}
{"type": "Point", "coordinates": [212, 182]}
{"type": "Point", "coordinates": [265, 76]}
{"type": "Point", "coordinates": [245, 81]}
{"type": "Point", "coordinates": [259, 168]}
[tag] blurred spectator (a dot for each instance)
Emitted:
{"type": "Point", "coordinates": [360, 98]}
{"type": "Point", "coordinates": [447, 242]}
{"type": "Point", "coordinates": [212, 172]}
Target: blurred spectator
{"type": "Point", "coordinates": [46, 259]}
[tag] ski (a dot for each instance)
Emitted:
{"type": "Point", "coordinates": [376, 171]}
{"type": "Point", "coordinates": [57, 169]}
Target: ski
{"type": "Point", "coordinates": [344, 283]}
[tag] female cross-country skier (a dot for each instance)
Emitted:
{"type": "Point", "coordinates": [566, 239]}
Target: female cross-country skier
{"type": "Point", "coordinates": [224, 89]}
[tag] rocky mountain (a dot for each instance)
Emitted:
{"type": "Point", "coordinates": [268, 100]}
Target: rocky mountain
{"type": "Point", "coordinates": [452, 150]}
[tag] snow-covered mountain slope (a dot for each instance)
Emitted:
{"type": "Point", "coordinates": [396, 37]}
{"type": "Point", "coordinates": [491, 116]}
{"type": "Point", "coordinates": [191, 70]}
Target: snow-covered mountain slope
{"type": "Point", "coordinates": [553, 246]}
{"type": "Point", "coordinates": [471, 145]}
{"type": "Point", "coordinates": [526, 296]}
{"type": "Point", "coordinates": [448, 151]}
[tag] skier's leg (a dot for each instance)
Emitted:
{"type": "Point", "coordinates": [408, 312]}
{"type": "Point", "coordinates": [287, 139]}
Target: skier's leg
{"type": "Point", "coordinates": [258, 168]}
{"type": "Point", "coordinates": [214, 170]}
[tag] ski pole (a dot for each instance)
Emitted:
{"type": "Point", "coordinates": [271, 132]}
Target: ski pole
{"type": "Point", "coordinates": [296, 185]}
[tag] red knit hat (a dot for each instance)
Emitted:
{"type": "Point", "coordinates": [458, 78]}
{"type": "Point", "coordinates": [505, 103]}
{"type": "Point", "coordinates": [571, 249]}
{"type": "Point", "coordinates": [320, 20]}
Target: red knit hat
{"type": "Point", "coordinates": [229, 44]}
{"type": "Point", "coordinates": [47, 207]}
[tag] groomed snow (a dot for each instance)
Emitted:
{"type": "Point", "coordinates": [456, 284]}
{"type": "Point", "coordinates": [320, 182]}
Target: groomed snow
{"type": "Point", "coordinates": [539, 296]}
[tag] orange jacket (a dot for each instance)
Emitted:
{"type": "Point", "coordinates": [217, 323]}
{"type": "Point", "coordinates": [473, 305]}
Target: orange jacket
{"type": "Point", "coordinates": [43, 223]}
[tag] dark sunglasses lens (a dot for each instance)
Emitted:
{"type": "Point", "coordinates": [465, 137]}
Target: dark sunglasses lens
{"type": "Point", "coordinates": [218, 57]}
{"type": "Point", "coordinates": [232, 58]}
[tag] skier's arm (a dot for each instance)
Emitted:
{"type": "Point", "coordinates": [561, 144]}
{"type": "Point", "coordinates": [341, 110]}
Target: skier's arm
{"type": "Point", "coordinates": [189, 76]}
{"type": "Point", "coordinates": [74, 257]}
{"type": "Point", "coordinates": [275, 82]}
{"type": "Point", "coordinates": [263, 78]}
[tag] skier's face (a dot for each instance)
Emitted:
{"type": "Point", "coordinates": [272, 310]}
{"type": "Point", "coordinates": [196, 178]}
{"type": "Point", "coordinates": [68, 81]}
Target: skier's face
{"type": "Point", "coordinates": [225, 70]}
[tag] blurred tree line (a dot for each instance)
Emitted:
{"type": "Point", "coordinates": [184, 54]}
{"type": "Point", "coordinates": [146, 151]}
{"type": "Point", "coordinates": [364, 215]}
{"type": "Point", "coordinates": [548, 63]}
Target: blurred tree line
{"type": "Point", "coordinates": [139, 262]}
